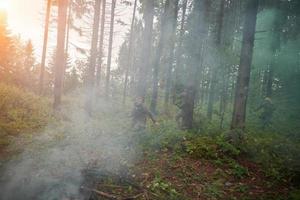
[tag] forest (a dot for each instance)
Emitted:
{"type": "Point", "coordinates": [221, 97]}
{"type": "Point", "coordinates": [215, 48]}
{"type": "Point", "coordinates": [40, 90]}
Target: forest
{"type": "Point", "coordinates": [150, 99]}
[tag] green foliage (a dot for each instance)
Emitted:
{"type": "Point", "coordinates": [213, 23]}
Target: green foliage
{"type": "Point", "coordinates": [294, 195]}
{"type": "Point", "coordinates": [163, 188]}
{"type": "Point", "coordinates": [202, 147]}
{"type": "Point", "coordinates": [21, 111]}
{"type": "Point", "coordinates": [239, 171]}
{"type": "Point", "coordinates": [164, 136]}
{"type": "Point", "coordinates": [211, 148]}
{"type": "Point", "coordinates": [214, 190]}
{"type": "Point", "coordinates": [278, 154]}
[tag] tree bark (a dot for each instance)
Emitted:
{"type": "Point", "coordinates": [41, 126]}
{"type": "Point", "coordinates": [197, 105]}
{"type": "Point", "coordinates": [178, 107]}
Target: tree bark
{"type": "Point", "coordinates": [157, 58]}
{"type": "Point", "coordinates": [146, 49]}
{"type": "Point", "coordinates": [201, 13]}
{"type": "Point", "coordinates": [92, 64]}
{"type": "Point", "coordinates": [67, 39]}
{"type": "Point", "coordinates": [171, 50]}
{"type": "Point", "coordinates": [129, 65]}
{"type": "Point", "coordinates": [60, 52]}
{"type": "Point", "coordinates": [275, 45]}
{"type": "Point", "coordinates": [68, 26]}
{"type": "Point", "coordinates": [224, 97]}
{"type": "Point", "coordinates": [242, 86]}
{"type": "Point", "coordinates": [111, 35]}
{"type": "Point", "coordinates": [215, 69]}
{"type": "Point", "coordinates": [99, 66]}
{"type": "Point", "coordinates": [45, 44]}
{"type": "Point", "coordinates": [178, 68]}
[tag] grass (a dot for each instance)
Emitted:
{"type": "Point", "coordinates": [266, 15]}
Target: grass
{"type": "Point", "coordinates": [22, 112]}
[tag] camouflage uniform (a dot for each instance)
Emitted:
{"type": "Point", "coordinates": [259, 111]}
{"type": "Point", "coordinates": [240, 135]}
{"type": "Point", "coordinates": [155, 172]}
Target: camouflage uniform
{"type": "Point", "coordinates": [268, 109]}
{"type": "Point", "coordinates": [180, 104]}
{"type": "Point", "coordinates": [139, 116]}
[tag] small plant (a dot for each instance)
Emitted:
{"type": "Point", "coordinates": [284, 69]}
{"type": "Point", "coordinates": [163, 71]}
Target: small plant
{"type": "Point", "coordinates": [214, 191]}
{"type": "Point", "coordinates": [239, 171]}
{"type": "Point", "coordinates": [160, 186]}
{"type": "Point", "coordinates": [202, 147]}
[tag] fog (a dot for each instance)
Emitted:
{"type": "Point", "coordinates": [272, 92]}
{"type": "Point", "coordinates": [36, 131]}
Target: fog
{"type": "Point", "coordinates": [52, 166]}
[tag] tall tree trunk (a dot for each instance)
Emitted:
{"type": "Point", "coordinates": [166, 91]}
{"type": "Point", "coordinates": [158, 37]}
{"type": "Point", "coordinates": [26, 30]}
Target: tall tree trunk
{"type": "Point", "coordinates": [92, 64]}
{"type": "Point", "coordinates": [275, 45]}
{"type": "Point", "coordinates": [215, 69]}
{"type": "Point", "coordinates": [146, 49]}
{"type": "Point", "coordinates": [60, 51]}
{"type": "Point", "coordinates": [270, 76]}
{"type": "Point", "coordinates": [174, 16]}
{"type": "Point", "coordinates": [99, 66]}
{"type": "Point", "coordinates": [224, 97]}
{"type": "Point", "coordinates": [111, 35]}
{"type": "Point", "coordinates": [157, 58]}
{"type": "Point", "coordinates": [129, 64]}
{"type": "Point", "coordinates": [67, 39]}
{"type": "Point", "coordinates": [45, 44]}
{"type": "Point", "coordinates": [202, 10]}
{"type": "Point", "coordinates": [242, 86]}
{"type": "Point", "coordinates": [68, 26]}
{"type": "Point", "coordinates": [178, 68]}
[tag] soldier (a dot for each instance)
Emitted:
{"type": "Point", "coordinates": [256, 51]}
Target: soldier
{"type": "Point", "coordinates": [268, 109]}
{"type": "Point", "coordinates": [140, 114]}
{"type": "Point", "coordinates": [186, 105]}
{"type": "Point", "coordinates": [180, 104]}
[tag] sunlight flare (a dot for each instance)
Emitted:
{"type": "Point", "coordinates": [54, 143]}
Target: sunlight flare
{"type": "Point", "coordinates": [4, 5]}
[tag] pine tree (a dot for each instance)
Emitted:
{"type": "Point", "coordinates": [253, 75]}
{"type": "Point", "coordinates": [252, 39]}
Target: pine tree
{"type": "Point", "coordinates": [6, 44]}
{"type": "Point", "coordinates": [242, 87]}
{"type": "Point", "coordinates": [60, 52]}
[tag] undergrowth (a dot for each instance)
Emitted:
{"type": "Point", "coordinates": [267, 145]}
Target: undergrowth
{"type": "Point", "coordinates": [21, 112]}
{"type": "Point", "coordinates": [277, 156]}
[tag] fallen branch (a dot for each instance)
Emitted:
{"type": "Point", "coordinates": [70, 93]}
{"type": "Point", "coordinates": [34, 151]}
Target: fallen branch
{"type": "Point", "coordinates": [134, 197]}
{"type": "Point", "coordinates": [103, 194]}
{"type": "Point", "coordinates": [112, 186]}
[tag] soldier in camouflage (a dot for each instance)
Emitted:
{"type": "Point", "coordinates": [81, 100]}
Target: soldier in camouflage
{"type": "Point", "coordinates": [267, 108]}
{"type": "Point", "coordinates": [140, 113]}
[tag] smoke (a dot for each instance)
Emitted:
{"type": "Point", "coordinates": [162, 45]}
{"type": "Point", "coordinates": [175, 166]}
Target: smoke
{"type": "Point", "coordinates": [51, 167]}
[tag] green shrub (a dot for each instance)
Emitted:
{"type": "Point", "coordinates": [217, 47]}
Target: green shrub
{"type": "Point", "coordinates": [164, 189]}
{"type": "Point", "coordinates": [21, 111]}
{"type": "Point", "coordinates": [210, 148]}
{"type": "Point", "coordinates": [277, 154]}
{"type": "Point", "coordinates": [164, 136]}
{"type": "Point", "coordinates": [202, 147]}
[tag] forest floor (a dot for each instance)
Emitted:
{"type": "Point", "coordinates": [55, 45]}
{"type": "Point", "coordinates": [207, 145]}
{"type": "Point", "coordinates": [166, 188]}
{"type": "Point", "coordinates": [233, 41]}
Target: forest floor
{"type": "Point", "coordinates": [204, 179]}
{"type": "Point", "coordinates": [166, 174]}
{"type": "Point", "coordinates": [166, 165]}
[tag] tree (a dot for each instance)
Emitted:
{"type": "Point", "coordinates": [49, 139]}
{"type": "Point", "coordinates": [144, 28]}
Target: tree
{"type": "Point", "coordinates": [93, 56]}
{"type": "Point", "coordinates": [111, 35]}
{"type": "Point", "coordinates": [158, 55]}
{"type": "Point", "coordinates": [178, 68]}
{"type": "Point", "coordinates": [242, 86]}
{"type": "Point", "coordinates": [198, 25]}
{"type": "Point", "coordinates": [6, 46]}
{"type": "Point", "coordinates": [215, 69]}
{"type": "Point", "coordinates": [275, 45]}
{"type": "Point", "coordinates": [130, 49]}
{"type": "Point", "coordinates": [146, 48]}
{"type": "Point", "coordinates": [72, 80]}
{"type": "Point", "coordinates": [45, 44]}
{"type": "Point", "coordinates": [60, 52]}
{"type": "Point", "coordinates": [28, 65]}
{"type": "Point", "coordinates": [99, 65]}
{"type": "Point", "coordinates": [170, 59]}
